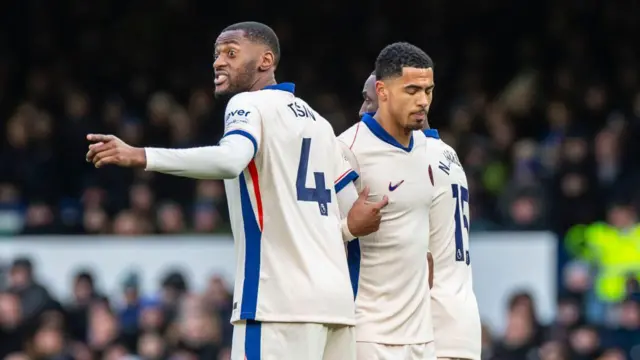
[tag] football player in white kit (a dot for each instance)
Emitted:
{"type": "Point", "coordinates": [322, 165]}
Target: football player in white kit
{"type": "Point", "coordinates": [456, 319]}
{"type": "Point", "coordinates": [389, 268]}
{"type": "Point", "coordinates": [283, 171]}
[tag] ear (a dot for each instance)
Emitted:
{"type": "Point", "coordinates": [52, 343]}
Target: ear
{"type": "Point", "coordinates": [381, 90]}
{"type": "Point", "coordinates": [268, 60]}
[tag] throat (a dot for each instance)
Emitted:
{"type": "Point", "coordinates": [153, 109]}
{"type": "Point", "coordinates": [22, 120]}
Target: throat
{"type": "Point", "coordinates": [401, 134]}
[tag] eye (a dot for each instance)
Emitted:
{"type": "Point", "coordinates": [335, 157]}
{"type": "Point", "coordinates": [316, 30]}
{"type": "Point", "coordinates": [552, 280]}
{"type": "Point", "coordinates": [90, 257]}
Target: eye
{"type": "Point", "coordinates": [232, 53]}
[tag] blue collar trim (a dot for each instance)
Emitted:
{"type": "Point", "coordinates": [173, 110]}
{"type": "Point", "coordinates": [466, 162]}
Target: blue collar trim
{"type": "Point", "coordinates": [432, 133]}
{"type": "Point", "coordinates": [288, 87]}
{"type": "Point", "coordinates": [382, 134]}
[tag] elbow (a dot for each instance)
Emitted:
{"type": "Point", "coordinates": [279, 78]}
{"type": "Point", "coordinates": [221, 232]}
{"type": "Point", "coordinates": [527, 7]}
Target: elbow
{"type": "Point", "coordinates": [230, 172]}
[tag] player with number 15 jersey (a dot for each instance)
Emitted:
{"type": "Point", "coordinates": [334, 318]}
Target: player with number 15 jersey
{"type": "Point", "coordinates": [456, 320]}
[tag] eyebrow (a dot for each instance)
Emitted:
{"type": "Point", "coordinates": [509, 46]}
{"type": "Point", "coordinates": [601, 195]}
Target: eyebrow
{"type": "Point", "coordinates": [227, 42]}
{"type": "Point", "coordinates": [414, 86]}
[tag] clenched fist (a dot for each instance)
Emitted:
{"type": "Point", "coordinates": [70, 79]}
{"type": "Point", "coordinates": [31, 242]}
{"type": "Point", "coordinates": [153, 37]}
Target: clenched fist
{"type": "Point", "coordinates": [364, 216]}
{"type": "Point", "coordinates": [108, 149]}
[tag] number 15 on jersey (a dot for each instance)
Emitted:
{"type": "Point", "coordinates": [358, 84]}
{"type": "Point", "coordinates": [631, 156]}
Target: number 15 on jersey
{"type": "Point", "coordinates": [461, 196]}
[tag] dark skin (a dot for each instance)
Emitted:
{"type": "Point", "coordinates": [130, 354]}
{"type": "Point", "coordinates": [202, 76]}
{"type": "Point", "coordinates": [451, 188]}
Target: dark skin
{"type": "Point", "coordinates": [370, 104]}
{"type": "Point", "coordinates": [239, 65]}
{"type": "Point", "coordinates": [370, 100]}
{"type": "Point", "coordinates": [404, 101]}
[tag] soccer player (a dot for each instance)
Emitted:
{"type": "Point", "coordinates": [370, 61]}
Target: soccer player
{"type": "Point", "coordinates": [369, 98]}
{"type": "Point", "coordinates": [389, 151]}
{"type": "Point", "coordinates": [455, 314]}
{"type": "Point", "coordinates": [284, 173]}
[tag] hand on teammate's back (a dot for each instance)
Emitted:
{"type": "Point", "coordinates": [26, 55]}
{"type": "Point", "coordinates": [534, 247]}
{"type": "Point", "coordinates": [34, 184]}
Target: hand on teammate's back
{"type": "Point", "coordinates": [364, 216]}
{"type": "Point", "coordinates": [109, 150]}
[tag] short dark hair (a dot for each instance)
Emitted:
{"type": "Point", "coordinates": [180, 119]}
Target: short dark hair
{"type": "Point", "coordinates": [259, 33]}
{"type": "Point", "coordinates": [399, 55]}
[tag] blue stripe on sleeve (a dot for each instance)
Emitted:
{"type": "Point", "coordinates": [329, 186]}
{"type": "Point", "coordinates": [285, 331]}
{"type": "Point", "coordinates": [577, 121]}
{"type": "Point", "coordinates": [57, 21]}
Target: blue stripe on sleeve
{"type": "Point", "coordinates": [352, 176]}
{"type": "Point", "coordinates": [247, 135]}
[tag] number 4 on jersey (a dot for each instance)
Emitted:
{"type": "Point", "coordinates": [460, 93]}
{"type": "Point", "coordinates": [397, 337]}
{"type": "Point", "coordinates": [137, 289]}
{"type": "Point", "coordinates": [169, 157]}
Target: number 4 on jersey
{"type": "Point", "coordinates": [320, 194]}
{"type": "Point", "coordinates": [461, 195]}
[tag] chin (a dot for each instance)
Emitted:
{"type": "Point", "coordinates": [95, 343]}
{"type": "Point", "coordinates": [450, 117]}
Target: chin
{"type": "Point", "coordinates": [222, 94]}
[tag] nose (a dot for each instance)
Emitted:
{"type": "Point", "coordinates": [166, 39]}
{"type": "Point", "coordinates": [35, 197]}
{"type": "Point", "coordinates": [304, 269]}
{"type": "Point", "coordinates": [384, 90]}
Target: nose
{"type": "Point", "coordinates": [362, 110]}
{"type": "Point", "coordinates": [422, 100]}
{"type": "Point", "coordinates": [219, 62]}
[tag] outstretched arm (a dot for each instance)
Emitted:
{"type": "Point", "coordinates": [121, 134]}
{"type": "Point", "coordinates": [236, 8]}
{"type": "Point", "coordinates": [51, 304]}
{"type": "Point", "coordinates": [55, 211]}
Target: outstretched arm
{"type": "Point", "coordinates": [243, 130]}
{"type": "Point", "coordinates": [225, 161]}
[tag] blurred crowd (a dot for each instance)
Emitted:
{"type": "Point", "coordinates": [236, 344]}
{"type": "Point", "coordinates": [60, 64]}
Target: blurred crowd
{"type": "Point", "coordinates": [174, 324]}
{"type": "Point", "coordinates": [180, 324]}
{"type": "Point", "coordinates": [541, 100]}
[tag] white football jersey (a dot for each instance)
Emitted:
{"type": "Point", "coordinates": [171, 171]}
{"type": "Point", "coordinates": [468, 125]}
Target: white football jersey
{"type": "Point", "coordinates": [456, 319]}
{"type": "Point", "coordinates": [389, 267]}
{"type": "Point", "coordinates": [284, 214]}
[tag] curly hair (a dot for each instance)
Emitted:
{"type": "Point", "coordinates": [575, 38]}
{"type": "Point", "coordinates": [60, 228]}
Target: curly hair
{"type": "Point", "coordinates": [393, 58]}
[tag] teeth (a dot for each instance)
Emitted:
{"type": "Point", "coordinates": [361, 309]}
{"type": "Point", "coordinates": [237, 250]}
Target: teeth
{"type": "Point", "coordinates": [220, 78]}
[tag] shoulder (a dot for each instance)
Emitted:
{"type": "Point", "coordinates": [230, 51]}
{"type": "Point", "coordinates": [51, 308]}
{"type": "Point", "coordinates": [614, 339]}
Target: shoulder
{"type": "Point", "coordinates": [449, 153]}
{"type": "Point", "coordinates": [250, 98]}
{"type": "Point", "coordinates": [348, 137]}
{"type": "Point", "coordinates": [242, 104]}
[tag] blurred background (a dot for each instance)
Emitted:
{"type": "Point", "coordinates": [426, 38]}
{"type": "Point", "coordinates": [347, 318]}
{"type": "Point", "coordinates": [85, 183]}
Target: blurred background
{"type": "Point", "coordinates": [541, 100]}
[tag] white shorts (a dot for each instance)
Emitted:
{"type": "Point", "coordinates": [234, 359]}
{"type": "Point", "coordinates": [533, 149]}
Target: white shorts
{"type": "Point", "coordinates": [374, 351]}
{"type": "Point", "coordinates": [253, 340]}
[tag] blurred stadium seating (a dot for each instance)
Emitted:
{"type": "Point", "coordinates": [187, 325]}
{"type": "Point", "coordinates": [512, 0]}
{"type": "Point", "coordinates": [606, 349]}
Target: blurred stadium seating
{"type": "Point", "coordinates": [541, 100]}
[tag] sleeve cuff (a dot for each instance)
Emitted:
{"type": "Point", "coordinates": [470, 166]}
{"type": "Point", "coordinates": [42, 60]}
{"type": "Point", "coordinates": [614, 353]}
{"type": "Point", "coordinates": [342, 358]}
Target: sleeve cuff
{"type": "Point", "coordinates": [248, 136]}
{"type": "Point", "coordinates": [150, 156]}
{"type": "Point", "coordinates": [345, 179]}
{"type": "Point", "coordinates": [346, 234]}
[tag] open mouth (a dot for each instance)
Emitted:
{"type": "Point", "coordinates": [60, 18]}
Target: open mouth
{"type": "Point", "coordinates": [220, 79]}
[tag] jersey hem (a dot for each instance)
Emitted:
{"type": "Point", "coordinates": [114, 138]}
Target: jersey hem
{"type": "Point", "coordinates": [295, 319]}
{"type": "Point", "coordinates": [387, 341]}
{"type": "Point", "coordinates": [457, 355]}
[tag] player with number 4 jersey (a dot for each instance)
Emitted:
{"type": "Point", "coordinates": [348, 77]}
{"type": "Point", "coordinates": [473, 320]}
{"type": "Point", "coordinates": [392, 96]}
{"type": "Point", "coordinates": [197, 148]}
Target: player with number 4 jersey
{"type": "Point", "coordinates": [284, 176]}
{"type": "Point", "coordinates": [456, 319]}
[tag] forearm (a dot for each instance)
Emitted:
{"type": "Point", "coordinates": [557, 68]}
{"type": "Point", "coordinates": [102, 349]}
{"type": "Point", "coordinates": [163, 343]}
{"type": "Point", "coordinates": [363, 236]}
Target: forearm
{"type": "Point", "coordinates": [225, 161]}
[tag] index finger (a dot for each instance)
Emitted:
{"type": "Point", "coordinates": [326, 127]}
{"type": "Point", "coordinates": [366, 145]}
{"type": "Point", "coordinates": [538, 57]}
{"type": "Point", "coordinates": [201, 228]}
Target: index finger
{"type": "Point", "coordinates": [99, 137]}
{"type": "Point", "coordinates": [382, 203]}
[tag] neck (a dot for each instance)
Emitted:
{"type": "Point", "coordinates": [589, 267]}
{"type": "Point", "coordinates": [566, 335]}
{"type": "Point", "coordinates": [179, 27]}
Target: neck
{"type": "Point", "coordinates": [426, 125]}
{"type": "Point", "coordinates": [401, 134]}
{"type": "Point", "coordinates": [263, 81]}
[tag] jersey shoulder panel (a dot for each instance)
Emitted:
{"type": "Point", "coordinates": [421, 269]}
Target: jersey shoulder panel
{"type": "Point", "coordinates": [350, 136]}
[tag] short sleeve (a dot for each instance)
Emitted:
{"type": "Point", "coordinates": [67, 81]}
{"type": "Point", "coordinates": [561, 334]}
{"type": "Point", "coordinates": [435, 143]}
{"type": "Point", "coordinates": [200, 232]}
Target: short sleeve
{"type": "Point", "coordinates": [345, 166]}
{"type": "Point", "coordinates": [243, 118]}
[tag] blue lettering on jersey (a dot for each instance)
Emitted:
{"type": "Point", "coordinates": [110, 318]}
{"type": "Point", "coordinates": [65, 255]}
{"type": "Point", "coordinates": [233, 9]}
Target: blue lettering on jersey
{"type": "Point", "coordinates": [238, 112]}
{"type": "Point", "coordinates": [301, 111]}
{"type": "Point", "coordinates": [444, 167]}
{"type": "Point", "coordinates": [452, 157]}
